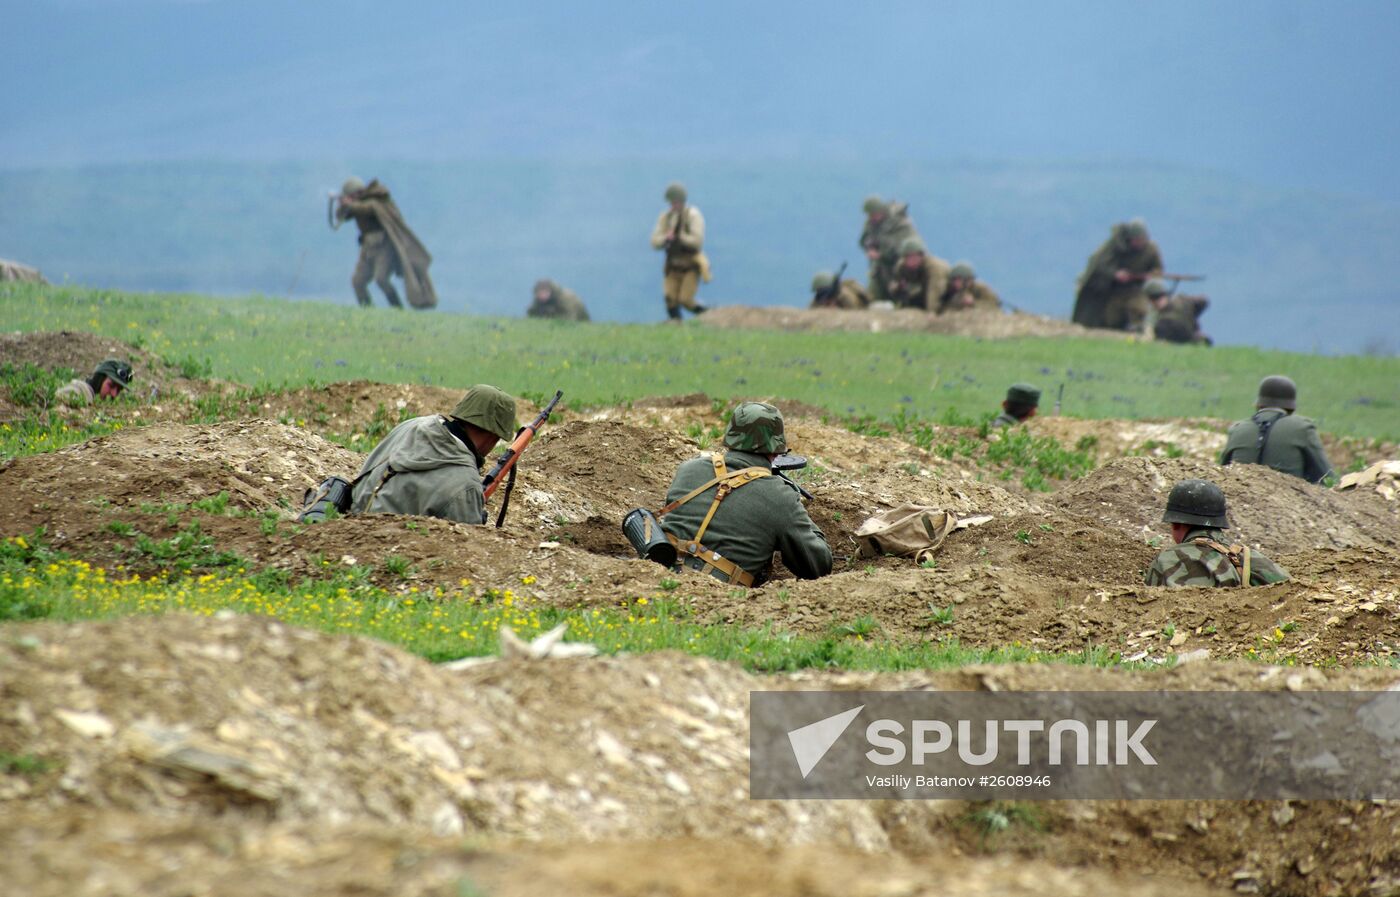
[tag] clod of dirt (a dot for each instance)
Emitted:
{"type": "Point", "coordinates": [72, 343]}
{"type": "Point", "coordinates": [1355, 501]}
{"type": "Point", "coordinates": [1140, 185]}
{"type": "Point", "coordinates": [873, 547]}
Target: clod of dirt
{"type": "Point", "coordinates": [1275, 511]}
{"type": "Point", "coordinates": [978, 323]}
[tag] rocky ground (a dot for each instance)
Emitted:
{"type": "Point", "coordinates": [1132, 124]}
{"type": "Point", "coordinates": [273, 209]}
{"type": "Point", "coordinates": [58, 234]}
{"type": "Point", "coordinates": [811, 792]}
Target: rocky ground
{"type": "Point", "coordinates": [235, 755]}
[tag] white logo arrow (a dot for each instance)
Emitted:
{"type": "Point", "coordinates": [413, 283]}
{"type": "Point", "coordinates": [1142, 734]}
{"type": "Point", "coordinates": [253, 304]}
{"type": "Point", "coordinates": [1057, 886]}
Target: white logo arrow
{"type": "Point", "coordinates": [810, 743]}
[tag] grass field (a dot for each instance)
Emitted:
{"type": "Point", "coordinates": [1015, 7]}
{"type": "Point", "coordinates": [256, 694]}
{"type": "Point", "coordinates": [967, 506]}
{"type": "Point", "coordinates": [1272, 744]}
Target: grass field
{"type": "Point", "coordinates": [269, 342]}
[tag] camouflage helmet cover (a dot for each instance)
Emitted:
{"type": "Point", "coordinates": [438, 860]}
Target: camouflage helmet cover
{"type": "Point", "coordinates": [875, 204]}
{"type": "Point", "coordinates": [116, 370]}
{"type": "Point", "coordinates": [1198, 502]}
{"type": "Point", "coordinates": [1156, 288]}
{"type": "Point", "coordinates": [352, 185]}
{"type": "Point", "coordinates": [963, 271]}
{"type": "Point", "coordinates": [756, 427]}
{"type": "Point", "coordinates": [675, 192]}
{"type": "Point", "coordinates": [823, 280]}
{"type": "Point", "coordinates": [490, 409]}
{"type": "Point", "coordinates": [1278, 392]}
{"type": "Point", "coordinates": [912, 246]}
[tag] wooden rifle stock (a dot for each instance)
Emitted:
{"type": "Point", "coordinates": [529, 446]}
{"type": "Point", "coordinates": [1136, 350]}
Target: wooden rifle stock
{"type": "Point", "coordinates": [506, 463]}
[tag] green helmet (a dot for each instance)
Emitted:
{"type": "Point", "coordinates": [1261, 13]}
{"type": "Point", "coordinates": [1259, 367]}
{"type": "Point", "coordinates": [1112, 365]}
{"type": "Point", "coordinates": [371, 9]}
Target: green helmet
{"type": "Point", "coordinates": [912, 246]}
{"type": "Point", "coordinates": [823, 280]}
{"type": "Point", "coordinates": [116, 370]}
{"type": "Point", "coordinates": [1023, 394]}
{"type": "Point", "coordinates": [1196, 501]}
{"type": "Point", "coordinates": [756, 427]}
{"type": "Point", "coordinates": [1278, 392]}
{"type": "Point", "coordinates": [1156, 288]}
{"type": "Point", "coordinates": [963, 271]}
{"type": "Point", "coordinates": [544, 286]}
{"type": "Point", "coordinates": [675, 192]}
{"type": "Point", "coordinates": [490, 409]}
{"type": "Point", "coordinates": [875, 204]}
{"type": "Point", "coordinates": [1135, 229]}
{"type": "Point", "coordinates": [352, 185]}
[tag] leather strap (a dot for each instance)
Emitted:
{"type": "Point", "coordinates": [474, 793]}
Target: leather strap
{"type": "Point", "coordinates": [698, 556]}
{"type": "Point", "coordinates": [1238, 556]}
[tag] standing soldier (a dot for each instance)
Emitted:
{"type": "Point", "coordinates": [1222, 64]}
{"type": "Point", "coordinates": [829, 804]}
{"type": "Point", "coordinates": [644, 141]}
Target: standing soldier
{"type": "Point", "coordinates": [1110, 289]}
{"type": "Point", "coordinates": [1276, 437]}
{"type": "Point", "coordinates": [887, 225]}
{"type": "Point", "coordinates": [965, 291]}
{"type": "Point", "coordinates": [680, 233]}
{"type": "Point", "coordinates": [554, 301]}
{"type": "Point", "coordinates": [827, 293]}
{"type": "Point", "coordinates": [1201, 556]}
{"type": "Point", "coordinates": [387, 246]}
{"type": "Point", "coordinates": [919, 279]}
{"type": "Point", "coordinates": [1177, 318]}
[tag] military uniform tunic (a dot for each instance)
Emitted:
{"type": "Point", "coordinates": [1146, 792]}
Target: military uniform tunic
{"type": "Point", "coordinates": [752, 522]}
{"type": "Point", "coordinates": [1293, 446]}
{"type": "Point", "coordinates": [681, 273]}
{"type": "Point", "coordinates": [562, 303]}
{"type": "Point", "coordinates": [1004, 420]}
{"type": "Point", "coordinates": [1104, 302]}
{"type": "Point", "coordinates": [975, 295]}
{"type": "Point", "coordinates": [884, 237]}
{"type": "Point", "coordinates": [421, 468]}
{"type": "Point", "coordinates": [1190, 564]}
{"type": "Point", "coordinates": [919, 287]}
{"type": "Point", "coordinates": [850, 296]}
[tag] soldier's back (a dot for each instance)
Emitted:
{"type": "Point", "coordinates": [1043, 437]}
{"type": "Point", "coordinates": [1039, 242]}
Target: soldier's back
{"type": "Point", "coordinates": [1195, 563]}
{"type": "Point", "coordinates": [1292, 445]}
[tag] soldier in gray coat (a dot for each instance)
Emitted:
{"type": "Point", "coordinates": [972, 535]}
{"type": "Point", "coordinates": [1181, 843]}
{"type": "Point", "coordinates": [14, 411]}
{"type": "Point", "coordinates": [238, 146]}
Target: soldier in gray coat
{"type": "Point", "coordinates": [1276, 437]}
{"type": "Point", "coordinates": [430, 466]}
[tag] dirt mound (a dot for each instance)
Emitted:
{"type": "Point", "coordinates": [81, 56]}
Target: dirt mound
{"type": "Point", "coordinates": [255, 740]}
{"type": "Point", "coordinates": [80, 352]}
{"type": "Point", "coordinates": [1198, 439]}
{"type": "Point", "coordinates": [255, 461]}
{"type": "Point", "coordinates": [982, 324]}
{"type": "Point", "coordinates": [1277, 512]}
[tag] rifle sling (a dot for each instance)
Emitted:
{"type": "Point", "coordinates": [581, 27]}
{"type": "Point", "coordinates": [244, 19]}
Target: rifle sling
{"type": "Point", "coordinates": [1265, 427]}
{"type": "Point", "coordinates": [1238, 555]}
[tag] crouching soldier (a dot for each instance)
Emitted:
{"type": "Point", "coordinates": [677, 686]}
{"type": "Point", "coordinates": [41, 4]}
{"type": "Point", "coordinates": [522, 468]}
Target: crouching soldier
{"type": "Point", "coordinates": [107, 381]}
{"type": "Point", "coordinates": [1201, 556]}
{"type": "Point", "coordinates": [431, 466]}
{"type": "Point", "coordinates": [727, 514]}
{"type": "Point", "coordinates": [827, 293]}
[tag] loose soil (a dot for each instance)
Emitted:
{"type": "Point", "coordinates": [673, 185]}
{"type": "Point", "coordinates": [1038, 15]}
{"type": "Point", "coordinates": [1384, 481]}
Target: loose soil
{"type": "Point", "coordinates": [248, 740]}
{"type": "Point", "coordinates": [983, 324]}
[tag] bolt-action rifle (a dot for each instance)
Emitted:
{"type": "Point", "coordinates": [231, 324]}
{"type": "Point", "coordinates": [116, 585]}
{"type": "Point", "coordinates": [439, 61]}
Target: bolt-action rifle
{"type": "Point", "coordinates": [827, 297]}
{"type": "Point", "coordinates": [505, 464]}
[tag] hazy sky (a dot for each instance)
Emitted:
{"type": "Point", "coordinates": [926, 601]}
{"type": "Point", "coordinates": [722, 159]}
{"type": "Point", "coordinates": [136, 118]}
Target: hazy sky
{"type": "Point", "coordinates": [1284, 92]}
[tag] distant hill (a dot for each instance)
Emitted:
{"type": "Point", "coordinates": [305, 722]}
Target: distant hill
{"type": "Point", "coordinates": [1287, 269]}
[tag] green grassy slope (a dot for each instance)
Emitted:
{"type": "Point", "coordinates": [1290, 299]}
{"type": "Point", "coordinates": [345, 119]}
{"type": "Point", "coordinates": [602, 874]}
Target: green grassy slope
{"type": "Point", "coordinates": [260, 341]}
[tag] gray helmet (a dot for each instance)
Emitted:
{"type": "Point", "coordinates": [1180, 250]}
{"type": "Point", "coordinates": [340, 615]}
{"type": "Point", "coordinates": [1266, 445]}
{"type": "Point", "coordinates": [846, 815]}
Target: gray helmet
{"type": "Point", "coordinates": [1278, 392]}
{"type": "Point", "coordinates": [823, 280]}
{"type": "Point", "coordinates": [116, 370]}
{"type": "Point", "coordinates": [675, 192]}
{"type": "Point", "coordinates": [912, 246]}
{"type": "Point", "coordinates": [351, 185]}
{"type": "Point", "coordinates": [963, 271]}
{"type": "Point", "coordinates": [1196, 501]}
{"type": "Point", "coordinates": [1023, 394]}
{"type": "Point", "coordinates": [1155, 288]}
{"type": "Point", "coordinates": [875, 204]}
{"type": "Point", "coordinates": [756, 427]}
{"type": "Point", "coordinates": [490, 409]}
{"type": "Point", "coordinates": [1135, 229]}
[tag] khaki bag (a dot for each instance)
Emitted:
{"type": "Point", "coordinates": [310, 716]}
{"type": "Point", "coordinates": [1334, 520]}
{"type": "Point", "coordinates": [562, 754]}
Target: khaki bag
{"type": "Point", "coordinates": [909, 530]}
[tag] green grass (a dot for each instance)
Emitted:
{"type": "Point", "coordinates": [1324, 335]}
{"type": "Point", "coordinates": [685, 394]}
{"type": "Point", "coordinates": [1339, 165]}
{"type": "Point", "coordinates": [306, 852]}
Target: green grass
{"type": "Point", "coordinates": [888, 376]}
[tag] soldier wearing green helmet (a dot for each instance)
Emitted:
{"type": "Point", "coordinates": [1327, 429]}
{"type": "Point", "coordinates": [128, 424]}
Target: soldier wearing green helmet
{"type": "Point", "coordinates": [728, 513]}
{"type": "Point", "coordinates": [387, 246]}
{"type": "Point", "coordinates": [1110, 289]}
{"type": "Point", "coordinates": [887, 225]}
{"type": "Point", "coordinates": [1276, 437]}
{"type": "Point", "coordinates": [1175, 319]}
{"type": "Point", "coordinates": [849, 294]}
{"type": "Point", "coordinates": [1201, 556]}
{"type": "Point", "coordinates": [555, 301]}
{"type": "Point", "coordinates": [680, 233]}
{"type": "Point", "coordinates": [430, 466]}
{"type": "Point", "coordinates": [107, 381]}
{"type": "Point", "coordinates": [1021, 403]}
{"type": "Point", "coordinates": [965, 291]}
{"type": "Point", "coordinates": [919, 279]}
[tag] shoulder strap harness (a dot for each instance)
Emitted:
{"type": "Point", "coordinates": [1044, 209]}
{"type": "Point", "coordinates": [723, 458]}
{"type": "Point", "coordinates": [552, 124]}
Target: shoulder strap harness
{"type": "Point", "coordinates": [1237, 554]}
{"type": "Point", "coordinates": [702, 558]}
